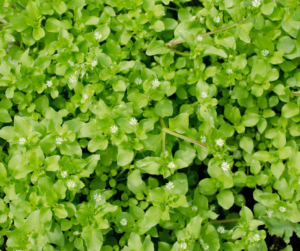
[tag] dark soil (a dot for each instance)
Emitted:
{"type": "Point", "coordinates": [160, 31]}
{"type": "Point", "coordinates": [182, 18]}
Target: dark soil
{"type": "Point", "coordinates": [277, 243]}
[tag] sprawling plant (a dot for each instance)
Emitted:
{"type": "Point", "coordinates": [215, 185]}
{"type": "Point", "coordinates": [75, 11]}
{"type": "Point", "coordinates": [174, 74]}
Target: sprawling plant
{"type": "Point", "coordinates": [139, 124]}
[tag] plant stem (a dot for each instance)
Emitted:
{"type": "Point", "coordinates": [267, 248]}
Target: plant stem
{"type": "Point", "coordinates": [4, 144]}
{"type": "Point", "coordinates": [208, 33]}
{"type": "Point", "coordinates": [184, 138]}
{"type": "Point", "coordinates": [178, 52]}
{"type": "Point", "coordinates": [162, 122]}
{"type": "Point", "coordinates": [170, 8]}
{"type": "Point", "coordinates": [120, 173]}
{"type": "Point", "coordinates": [223, 221]}
{"type": "Point", "coordinates": [20, 6]}
{"type": "Point", "coordinates": [296, 93]}
{"type": "Point", "coordinates": [164, 142]}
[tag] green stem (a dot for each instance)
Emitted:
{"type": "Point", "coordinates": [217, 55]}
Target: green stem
{"type": "Point", "coordinates": [178, 52]}
{"type": "Point", "coordinates": [20, 5]}
{"type": "Point", "coordinates": [184, 138]}
{"type": "Point", "coordinates": [224, 221]}
{"type": "Point", "coordinates": [170, 8]}
{"type": "Point", "coordinates": [4, 144]}
{"type": "Point", "coordinates": [209, 33]}
{"type": "Point", "coordinates": [162, 122]}
{"type": "Point", "coordinates": [164, 142]}
{"type": "Point", "coordinates": [120, 173]}
{"type": "Point", "coordinates": [296, 93]}
{"type": "Point", "coordinates": [2, 20]}
{"type": "Point", "coordinates": [277, 27]}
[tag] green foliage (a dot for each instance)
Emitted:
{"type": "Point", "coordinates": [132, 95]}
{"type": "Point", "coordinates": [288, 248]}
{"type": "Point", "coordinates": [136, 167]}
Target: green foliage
{"type": "Point", "coordinates": [136, 124]}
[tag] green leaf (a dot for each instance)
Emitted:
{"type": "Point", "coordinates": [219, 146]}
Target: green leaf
{"type": "Point", "coordinates": [225, 199]}
{"type": "Point", "coordinates": [92, 20]}
{"type": "Point", "coordinates": [211, 50]}
{"type": "Point", "coordinates": [255, 166]}
{"type": "Point", "coordinates": [38, 33]}
{"type": "Point", "coordinates": [70, 149]}
{"type": "Point", "coordinates": [250, 119]}
{"type": "Point", "coordinates": [150, 165]}
{"type": "Point", "coordinates": [208, 186]}
{"type": "Point", "coordinates": [243, 31]}
{"type": "Point", "coordinates": [164, 108]}
{"type": "Point", "coordinates": [282, 228]}
{"type": "Point", "coordinates": [290, 109]}
{"type": "Point", "coordinates": [135, 182]}
{"type": "Point", "coordinates": [156, 47]}
{"type": "Point", "coordinates": [125, 156]}
{"type": "Point", "coordinates": [52, 25]}
{"type": "Point", "coordinates": [180, 123]}
{"type": "Point", "coordinates": [277, 169]}
{"type": "Point", "coordinates": [210, 237]}
{"type": "Point", "coordinates": [4, 116]}
{"type": "Point", "coordinates": [60, 7]}
{"type": "Point", "coordinates": [285, 44]}
{"type": "Point", "coordinates": [93, 238]}
{"type": "Point", "coordinates": [97, 143]}
{"type": "Point", "coordinates": [246, 143]}
{"type": "Point", "coordinates": [32, 10]}
{"type": "Point", "coordinates": [280, 140]}
{"type": "Point", "coordinates": [55, 235]}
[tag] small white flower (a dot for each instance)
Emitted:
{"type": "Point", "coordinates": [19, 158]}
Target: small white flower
{"type": "Point", "coordinates": [71, 184]}
{"type": "Point", "coordinates": [206, 247]}
{"type": "Point", "coordinates": [212, 207]}
{"type": "Point", "coordinates": [11, 61]}
{"type": "Point", "coordinates": [229, 71]}
{"type": "Point", "coordinates": [183, 245]}
{"type": "Point", "coordinates": [256, 237]}
{"type": "Point", "coordinates": [49, 83]}
{"type": "Point", "coordinates": [97, 35]}
{"type": "Point", "coordinates": [220, 142]}
{"type": "Point", "coordinates": [299, 181]}
{"type": "Point", "coordinates": [58, 140]}
{"type": "Point", "coordinates": [282, 209]}
{"type": "Point", "coordinates": [64, 174]}
{"type": "Point", "coordinates": [113, 129]}
{"type": "Point", "coordinates": [225, 166]}
{"type": "Point", "coordinates": [199, 38]}
{"type": "Point", "coordinates": [194, 208]}
{"type": "Point", "coordinates": [94, 63]}
{"type": "Point", "coordinates": [155, 83]}
{"type": "Point", "coordinates": [217, 19]}
{"type": "Point", "coordinates": [72, 79]}
{"type": "Point", "coordinates": [203, 94]}
{"type": "Point", "coordinates": [97, 197]}
{"type": "Point", "coordinates": [269, 213]}
{"type": "Point", "coordinates": [163, 13]}
{"type": "Point", "coordinates": [170, 185]}
{"type": "Point", "coordinates": [123, 222]}
{"type": "Point", "coordinates": [85, 96]}
{"type": "Point", "coordinates": [133, 121]}
{"type": "Point", "coordinates": [256, 3]}
{"type": "Point", "coordinates": [22, 141]}
{"type": "Point", "coordinates": [221, 229]}
{"type": "Point", "coordinates": [264, 53]}
{"type": "Point", "coordinates": [171, 165]}
{"type": "Point", "coordinates": [166, 153]}
{"type": "Point", "coordinates": [138, 81]}
{"type": "Point", "coordinates": [203, 138]}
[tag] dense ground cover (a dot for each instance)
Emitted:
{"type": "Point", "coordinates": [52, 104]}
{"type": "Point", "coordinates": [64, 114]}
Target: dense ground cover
{"type": "Point", "coordinates": [147, 125]}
